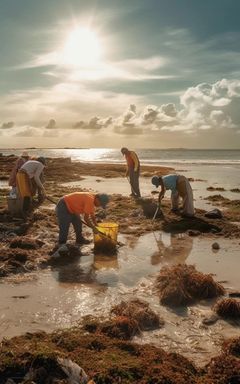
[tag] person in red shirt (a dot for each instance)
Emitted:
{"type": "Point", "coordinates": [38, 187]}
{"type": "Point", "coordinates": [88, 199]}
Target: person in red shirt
{"type": "Point", "coordinates": [70, 207]}
{"type": "Point", "coordinates": [133, 170]}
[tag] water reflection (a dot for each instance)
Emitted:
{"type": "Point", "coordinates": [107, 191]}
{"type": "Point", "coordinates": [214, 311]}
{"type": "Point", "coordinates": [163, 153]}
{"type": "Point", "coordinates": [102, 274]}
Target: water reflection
{"type": "Point", "coordinates": [177, 251]}
{"type": "Point", "coordinates": [89, 272]}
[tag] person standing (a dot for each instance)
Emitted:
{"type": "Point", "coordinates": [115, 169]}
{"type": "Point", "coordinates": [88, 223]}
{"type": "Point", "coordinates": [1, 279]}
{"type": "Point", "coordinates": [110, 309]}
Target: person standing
{"type": "Point", "coordinates": [180, 187]}
{"type": "Point", "coordinates": [133, 170]}
{"type": "Point", "coordinates": [12, 182]}
{"type": "Point", "coordinates": [71, 206]}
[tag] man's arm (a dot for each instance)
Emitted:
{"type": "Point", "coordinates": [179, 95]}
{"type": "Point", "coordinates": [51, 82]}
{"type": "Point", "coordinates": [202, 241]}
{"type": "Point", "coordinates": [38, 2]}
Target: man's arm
{"type": "Point", "coordinates": [163, 190]}
{"type": "Point", "coordinates": [90, 220]}
{"type": "Point", "coordinates": [37, 176]}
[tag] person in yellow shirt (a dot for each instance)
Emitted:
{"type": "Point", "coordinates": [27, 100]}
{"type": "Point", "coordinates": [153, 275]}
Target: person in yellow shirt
{"type": "Point", "coordinates": [133, 170]}
{"type": "Point", "coordinates": [70, 207]}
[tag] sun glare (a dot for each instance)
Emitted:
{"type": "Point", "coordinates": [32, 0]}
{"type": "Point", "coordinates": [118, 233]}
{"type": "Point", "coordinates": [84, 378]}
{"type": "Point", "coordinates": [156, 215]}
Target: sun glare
{"type": "Point", "coordinates": [82, 48]}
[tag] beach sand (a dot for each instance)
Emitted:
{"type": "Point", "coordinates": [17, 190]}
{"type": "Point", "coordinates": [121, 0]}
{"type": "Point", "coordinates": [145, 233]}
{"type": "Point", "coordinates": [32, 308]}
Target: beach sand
{"type": "Point", "coordinates": [37, 295]}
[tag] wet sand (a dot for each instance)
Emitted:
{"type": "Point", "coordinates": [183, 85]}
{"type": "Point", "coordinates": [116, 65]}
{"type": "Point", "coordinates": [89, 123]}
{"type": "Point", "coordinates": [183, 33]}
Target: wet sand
{"type": "Point", "coordinates": [37, 295]}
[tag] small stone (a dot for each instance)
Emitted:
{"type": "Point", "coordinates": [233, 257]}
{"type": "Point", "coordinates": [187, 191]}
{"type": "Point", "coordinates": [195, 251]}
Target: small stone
{"type": "Point", "coordinates": [215, 246]}
{"type": "Point", "coordinates": [214, 214]}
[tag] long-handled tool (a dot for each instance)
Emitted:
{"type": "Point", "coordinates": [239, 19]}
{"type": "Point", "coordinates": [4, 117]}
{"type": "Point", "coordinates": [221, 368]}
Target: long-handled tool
{"type": "Point", "coordinates": [157, 210]}
{"type": "Point", "coordinates": [50, 199]}
{"type": "Point", "coordinates": [155, 214]}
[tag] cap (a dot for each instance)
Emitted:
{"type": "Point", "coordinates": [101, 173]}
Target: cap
{"type": "Point", "coordinates": [155, 181]}
{"type": "Point", "coordinates": [124, 150]}
{"type": "Point", "coordinates": [24, 154]}
{"type": "Point", "coordinates": [103, 199]}
{"type": "Point", "coordinates": [42, 160]}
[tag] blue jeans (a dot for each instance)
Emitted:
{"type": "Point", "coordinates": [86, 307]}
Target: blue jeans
{"type": "Point", "coordinates": [65, 218]}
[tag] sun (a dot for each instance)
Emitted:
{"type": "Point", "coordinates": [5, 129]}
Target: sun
{"type": "Point", "coordinates": [82, 48]}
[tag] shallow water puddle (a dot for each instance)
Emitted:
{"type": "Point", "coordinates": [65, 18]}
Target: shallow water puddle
{"type": "Point", "coordinates": [60, 296]}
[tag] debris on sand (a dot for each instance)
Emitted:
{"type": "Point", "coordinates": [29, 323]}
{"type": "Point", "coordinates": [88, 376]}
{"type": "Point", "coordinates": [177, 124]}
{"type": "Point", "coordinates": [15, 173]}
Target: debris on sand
{"type": "Point", "coordinates": [225, 368]}
{"type": "Point", "coordinates": [149, 208]}
{"type": "Point", "coordinates": [51, 357]}
{"type": "Point", "coordinates": [182, 284]}
{"type": "Point", "coordinates": [66, 252]}
{"type": "Point", "coordinates": [26, 242]}
{"type": "Point", "coordinates": [232, 346]}
{"type": "Point", "coordinates": [228, 308]}
{"type": "Point", "coordinates": [195, 224]}
{"type": "Point", "coordinates": [216, 189]}
{"type": "Point", "coordinates": [139, 310]}
{"type": "Point", "coordinates": [120, 327]}
{"type": "Point", "coordinates": [214, 214]}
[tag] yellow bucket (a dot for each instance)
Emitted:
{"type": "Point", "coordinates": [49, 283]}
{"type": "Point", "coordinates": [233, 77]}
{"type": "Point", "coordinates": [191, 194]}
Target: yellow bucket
{"type": "Point", "coordinates": [107, 242]}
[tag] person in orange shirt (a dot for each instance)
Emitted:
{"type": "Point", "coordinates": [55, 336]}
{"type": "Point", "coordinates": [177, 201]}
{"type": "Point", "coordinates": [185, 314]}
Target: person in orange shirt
{"type": "Point", "coordinates": [133, 170]}
{"type": "Point", "coordinates": [70, 207]}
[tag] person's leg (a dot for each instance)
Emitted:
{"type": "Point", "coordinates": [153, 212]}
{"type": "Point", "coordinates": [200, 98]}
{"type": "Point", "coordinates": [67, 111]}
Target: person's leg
{"type": "Point", "coordinates": [175, 200]}
{"type": "Point", "coordinates": [185, 191]}
{"type": "Point", "coordinates": [77, 225]}
{"type": "Point", "coordinates": [24, 191]}
{"type": "Point", "coordinates": [132, 180]}
{"type": "Point", "coordinates": [188, 206]}
{"type": "Point", "coordinates": [64, 220]}
{"type": "Point", "coordinates": [136, 184]}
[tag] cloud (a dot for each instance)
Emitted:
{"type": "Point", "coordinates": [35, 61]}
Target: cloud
{"type": "Point", "coordinates": [205, 107]}
{"type": "Point", "coordinates": [27, 132]}
{"type": "Point", "coordinates": [51, 124]}
{"type": "Point", "coordinates": [9, 124]}
{"type": "Point", "coordinates": [211, 106]}
{"type": "Point", "coordinates": [95, 123]}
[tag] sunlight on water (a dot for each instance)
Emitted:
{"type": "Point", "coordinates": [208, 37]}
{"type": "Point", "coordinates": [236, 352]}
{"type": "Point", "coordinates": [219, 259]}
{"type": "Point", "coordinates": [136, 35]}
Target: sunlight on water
{"type": "Point", "coordinates": [91, 154]}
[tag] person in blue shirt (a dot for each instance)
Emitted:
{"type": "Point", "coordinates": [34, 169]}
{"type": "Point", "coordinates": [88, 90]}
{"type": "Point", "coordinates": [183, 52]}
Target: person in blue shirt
{"type": "Point", "coordinates": [180, 187]}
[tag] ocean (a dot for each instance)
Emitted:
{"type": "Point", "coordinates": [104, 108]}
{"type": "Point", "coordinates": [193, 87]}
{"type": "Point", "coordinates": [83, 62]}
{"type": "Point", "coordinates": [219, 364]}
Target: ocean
{"type": "Point", "coordinates": [166, 157]}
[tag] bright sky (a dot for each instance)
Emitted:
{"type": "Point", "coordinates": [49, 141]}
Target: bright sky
{"type": "Point", "coordinates": [113, 73]}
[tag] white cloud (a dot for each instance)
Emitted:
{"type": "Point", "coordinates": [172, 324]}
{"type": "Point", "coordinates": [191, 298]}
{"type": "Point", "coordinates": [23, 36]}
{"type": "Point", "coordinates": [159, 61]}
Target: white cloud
{"type": "Point", "coordinates": [205, 107]}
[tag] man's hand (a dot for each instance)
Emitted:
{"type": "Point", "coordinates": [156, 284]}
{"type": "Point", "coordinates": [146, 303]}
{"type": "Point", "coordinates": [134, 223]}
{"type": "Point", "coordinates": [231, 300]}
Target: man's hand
{"type": "Point", "coordinates": [160, 197]}
{"type": "Point", "coordinates": [41, 196]}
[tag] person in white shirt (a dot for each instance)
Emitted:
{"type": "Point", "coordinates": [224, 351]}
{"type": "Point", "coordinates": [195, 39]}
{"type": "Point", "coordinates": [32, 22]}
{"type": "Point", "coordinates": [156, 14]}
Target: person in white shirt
{"type": "Point", "coordinates": [29, 181]}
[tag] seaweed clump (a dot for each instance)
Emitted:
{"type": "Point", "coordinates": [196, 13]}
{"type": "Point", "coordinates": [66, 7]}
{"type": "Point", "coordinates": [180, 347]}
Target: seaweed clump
{"type": "Point", "coordinates": [228, 308]}
{"type": "Point", "coordinates": [182, 284]}
{"type": "Point", "coordinates": [121, 327]}
{"type": "Point", "coordinates": [139, 311]}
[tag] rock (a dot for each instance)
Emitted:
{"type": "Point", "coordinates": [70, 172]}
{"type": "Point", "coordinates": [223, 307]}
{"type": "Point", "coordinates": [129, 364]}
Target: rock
{"type": "Point", "coordinates": [210, 320]}
{"type": "Point", "coordinates": [214, 214]}
{"type": "Point", "coordinates": [215, 246]}
{"type": "Point", "coordinates": [194, 233]}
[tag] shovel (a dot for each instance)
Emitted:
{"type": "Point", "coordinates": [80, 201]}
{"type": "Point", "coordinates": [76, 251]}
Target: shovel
{"type": "Point", "coordinates": [157, 210]}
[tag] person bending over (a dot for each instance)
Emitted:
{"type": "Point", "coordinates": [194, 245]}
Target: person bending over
{"type": "Point", "coordinates": [180, 187]}
{"type": "Point", "coordinates": [29, 181]}
{"type": "Point", "coordinates": [70, 207]}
